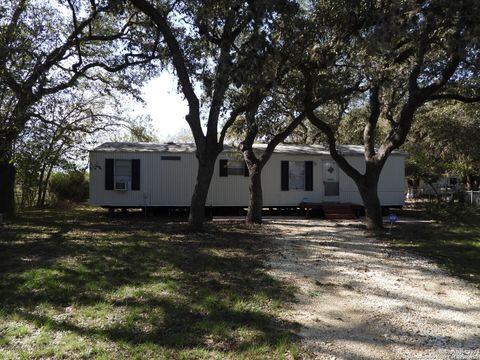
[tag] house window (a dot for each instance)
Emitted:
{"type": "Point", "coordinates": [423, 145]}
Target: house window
{"type": "Point", "coordinates": [123, 174]}
{"type": "Point", "coordinates": [123, 168]}
{"type": "Point", "coordinates": [232, 167]}
{"type": "Point", "coordinates": [235, 167]}
{"type": "Point", "coordinates": [296, 175]}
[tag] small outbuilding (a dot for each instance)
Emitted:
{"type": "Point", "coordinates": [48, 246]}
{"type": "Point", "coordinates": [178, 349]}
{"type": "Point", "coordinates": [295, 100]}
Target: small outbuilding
{"type": "Point", "coordinates": [163, 175]}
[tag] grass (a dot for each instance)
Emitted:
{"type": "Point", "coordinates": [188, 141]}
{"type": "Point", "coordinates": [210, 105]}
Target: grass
{"type": "Point", "coordinates": [452, 239]}
{"type": "Point", "coordinates": [77, 284]}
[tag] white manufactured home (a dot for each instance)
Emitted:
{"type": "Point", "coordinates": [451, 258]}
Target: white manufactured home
{"type": "Point", "coordinates": [446, 186]}
{"type": "Point", "coordinates": [164, 175]}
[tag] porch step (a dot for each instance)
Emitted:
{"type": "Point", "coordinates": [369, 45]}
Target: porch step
{"type": "Point", "coordinates": [340, 216]}
{"type": "Point", "coordinates": [340, 211]}
{"type": "Point", "coordinates": [333, 211]}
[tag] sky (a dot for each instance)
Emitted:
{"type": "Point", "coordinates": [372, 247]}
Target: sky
{"type": "Point", "coordinates": [166, 107]}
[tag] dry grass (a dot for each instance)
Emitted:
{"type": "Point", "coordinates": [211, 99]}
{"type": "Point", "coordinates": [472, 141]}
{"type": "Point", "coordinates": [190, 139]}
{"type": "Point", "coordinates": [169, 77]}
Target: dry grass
{"type": "Point", "coordinates": [452, 239]}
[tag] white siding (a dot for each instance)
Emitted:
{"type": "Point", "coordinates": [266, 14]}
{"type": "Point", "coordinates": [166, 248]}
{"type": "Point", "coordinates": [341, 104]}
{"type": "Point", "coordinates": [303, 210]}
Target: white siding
{"type": "Point", "coordinates": [271, 182]}
{"type": "Point", "coordinates": [233, 190]}
{"type": "Point", "coordinates": [390, 186]}
{"type": "Point", "coordinates": [171, 182]}
{"type": "Point", "coordinates": [162, 182]}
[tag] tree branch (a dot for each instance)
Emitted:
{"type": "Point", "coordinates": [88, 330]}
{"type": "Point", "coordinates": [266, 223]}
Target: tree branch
{"type": "Point", "coordinates": [178, 59]}
{"type": "Point", "coordinates": [456, 97]}
{"type": "Point", "coordinates": [370, 127]}
{"type": "Point", "coordinates": [310, 106]}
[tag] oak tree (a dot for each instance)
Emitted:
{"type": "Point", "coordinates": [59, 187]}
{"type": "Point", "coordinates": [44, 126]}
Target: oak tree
{"type": "Point", "coordinates": [45, 48]}
{"type": "Point", "coordinates": [407, 54]}
{"type": "Point", "coordinates": [205, 41]}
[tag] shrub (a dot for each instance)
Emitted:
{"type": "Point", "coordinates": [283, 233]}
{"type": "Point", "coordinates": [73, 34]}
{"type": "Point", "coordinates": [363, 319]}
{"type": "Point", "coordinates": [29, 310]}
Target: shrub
{"type": "Point", "coordinates": [452, 212]}
{"type": "Point", "coordinates": [72, 186]}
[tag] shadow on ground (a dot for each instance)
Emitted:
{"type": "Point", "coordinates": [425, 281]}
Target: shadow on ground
{"type": "Point", "coordinates": [360, 298]}
{"type": "Point", "coordinates": [136, 287]}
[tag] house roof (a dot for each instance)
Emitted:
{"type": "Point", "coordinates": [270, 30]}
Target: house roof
{"type": "Point", "coordinates": [294, 149]}
{"type": "Point", "coordinates": [145, 147]}
{"type": "Point", "coordinates": [171, 147]}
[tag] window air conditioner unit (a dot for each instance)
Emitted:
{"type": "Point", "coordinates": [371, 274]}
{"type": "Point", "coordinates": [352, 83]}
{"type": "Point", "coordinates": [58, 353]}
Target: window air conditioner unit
{"type": "Point", "coordinates": [121, 185]}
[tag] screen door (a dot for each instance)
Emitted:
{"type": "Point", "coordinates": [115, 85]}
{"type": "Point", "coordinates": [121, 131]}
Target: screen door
{"type": "Point", "coordinates": [331, 189]}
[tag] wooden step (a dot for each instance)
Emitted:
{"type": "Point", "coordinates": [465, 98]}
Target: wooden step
{"type": "Point", "coordinates": [340, 211]}
{"type": "Point", "coordinates": [333, 211]}
{"type": "Point", "coordinates": [340, 216]}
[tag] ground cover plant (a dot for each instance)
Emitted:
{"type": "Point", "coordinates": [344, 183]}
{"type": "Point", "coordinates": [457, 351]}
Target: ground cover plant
{"type": "Point", "coordinates": [77, 284]}
{"type": "Point", "coordinates": [452, 239]}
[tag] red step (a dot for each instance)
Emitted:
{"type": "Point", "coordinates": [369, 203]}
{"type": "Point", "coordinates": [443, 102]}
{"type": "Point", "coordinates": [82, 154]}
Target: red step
{"type": "Point", "coordinates": [340, 211]}
{"type": "Point", "coordinates": [340, 216]}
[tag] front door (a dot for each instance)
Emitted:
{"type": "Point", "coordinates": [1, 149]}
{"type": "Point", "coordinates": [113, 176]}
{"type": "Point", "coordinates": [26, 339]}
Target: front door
{"type": "Point", "coordinates": [331, 186]}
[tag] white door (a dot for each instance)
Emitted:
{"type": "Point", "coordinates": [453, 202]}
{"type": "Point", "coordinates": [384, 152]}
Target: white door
{"type": "Point", "coordinates": [331, 186]}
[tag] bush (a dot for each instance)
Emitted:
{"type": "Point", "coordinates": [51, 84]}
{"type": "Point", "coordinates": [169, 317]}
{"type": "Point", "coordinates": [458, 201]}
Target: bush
{"type": "Point", "coordinates": [72, 186]}
{"type": "Point", "coordinates": [452, 212]}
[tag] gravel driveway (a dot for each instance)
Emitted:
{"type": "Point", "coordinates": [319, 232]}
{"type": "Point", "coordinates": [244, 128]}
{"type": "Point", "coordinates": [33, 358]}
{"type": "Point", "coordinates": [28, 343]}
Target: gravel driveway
{"type": "Point", "coordinates": [360, 299]}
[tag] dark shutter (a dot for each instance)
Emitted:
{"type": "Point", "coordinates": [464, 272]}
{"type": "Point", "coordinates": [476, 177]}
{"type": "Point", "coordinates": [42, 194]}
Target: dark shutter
{"type": "Point", "coordinates": [284, 178]}
{"type": "Point", "coordinates": [109, 164]}
{"type": "Point", "coordinates": [246, 173]}
{"type": "Point", "coordinates": [136, 174]}
{"type": "Point", "coordinates": [308, 175]}
{"type": "Point", "coordinates": [223, 167]}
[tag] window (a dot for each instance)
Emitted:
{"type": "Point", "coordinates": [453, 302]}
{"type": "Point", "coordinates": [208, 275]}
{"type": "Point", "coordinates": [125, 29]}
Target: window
{"type": "Point", "coordinates": [123, 168]}
{"type": "Point", "coordinates": [332, 188]}
{"type": "Point", "coordinates": [235, 167]}
{"type": "Point", "coordinates": [122, 174]}
{"type": "Point", "coordinates": [232, 167]}
{"type": "Point", "coordinates": [296, 175]}
{"type": "Point", "coordinates": [175, 158]}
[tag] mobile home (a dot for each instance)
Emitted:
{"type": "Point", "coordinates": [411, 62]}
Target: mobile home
{"type": "Point", "coordinates": [163, 175]}
{"type": "Point", "coordinates": [446, 185]}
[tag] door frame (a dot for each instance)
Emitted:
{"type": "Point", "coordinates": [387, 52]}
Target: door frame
{"type": "Point", "coordinates": [326, 179]}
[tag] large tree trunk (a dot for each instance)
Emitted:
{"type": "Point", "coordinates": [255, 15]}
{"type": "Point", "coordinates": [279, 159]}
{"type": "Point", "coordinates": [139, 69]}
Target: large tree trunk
{"type": "Point", "coordinates": [255, 165]}
{"type": "Point", "coordinates": [197, 207]}
{"type": "Point", "coordinates": [7, 187]}
{"type": "Point", "coordinates": [255, 204]}
{"type": "Point", "coordinates": [371, 202]}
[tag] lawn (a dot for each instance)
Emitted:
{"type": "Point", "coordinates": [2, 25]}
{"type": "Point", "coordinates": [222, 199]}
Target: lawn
{"type": "Point", "coordinates": [452, 239]}
{"type": "Point", "coordinates": [77, 284]}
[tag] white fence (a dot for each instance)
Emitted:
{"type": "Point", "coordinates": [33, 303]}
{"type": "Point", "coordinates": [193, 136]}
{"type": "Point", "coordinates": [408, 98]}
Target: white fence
{"type": "Point", "coordinates": [472, 197]}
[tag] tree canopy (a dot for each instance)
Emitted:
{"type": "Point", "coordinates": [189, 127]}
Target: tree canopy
{"type": "Point", "coordinates": [444, 139]}
{"type": "Point", "coordinates": [364, 71]}
{"type": "Point", "coordinates": [405, 55]}
{"type": "Point", "coordinates": [46, 48]}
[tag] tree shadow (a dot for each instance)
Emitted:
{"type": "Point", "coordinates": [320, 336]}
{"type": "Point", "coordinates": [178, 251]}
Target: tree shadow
{"type": "Point", "coordinates": [165, 287]}
{"type": "Point", "coordinates": [403, 304]}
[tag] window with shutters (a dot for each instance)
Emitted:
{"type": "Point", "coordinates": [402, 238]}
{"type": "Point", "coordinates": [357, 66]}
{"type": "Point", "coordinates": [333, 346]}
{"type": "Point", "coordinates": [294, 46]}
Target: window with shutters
{"type": "Point", "coordinates": [232, 167]}
{"type": "Point", "coordinates": [296, 175]}
{"type": "Point", "coordinates": [123, 174]}
{"type": "Point", "coordinates": [235, 167]}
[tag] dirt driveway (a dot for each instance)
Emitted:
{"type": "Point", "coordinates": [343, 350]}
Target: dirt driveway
{"type": "Point", "coordinates": [360, 299]}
